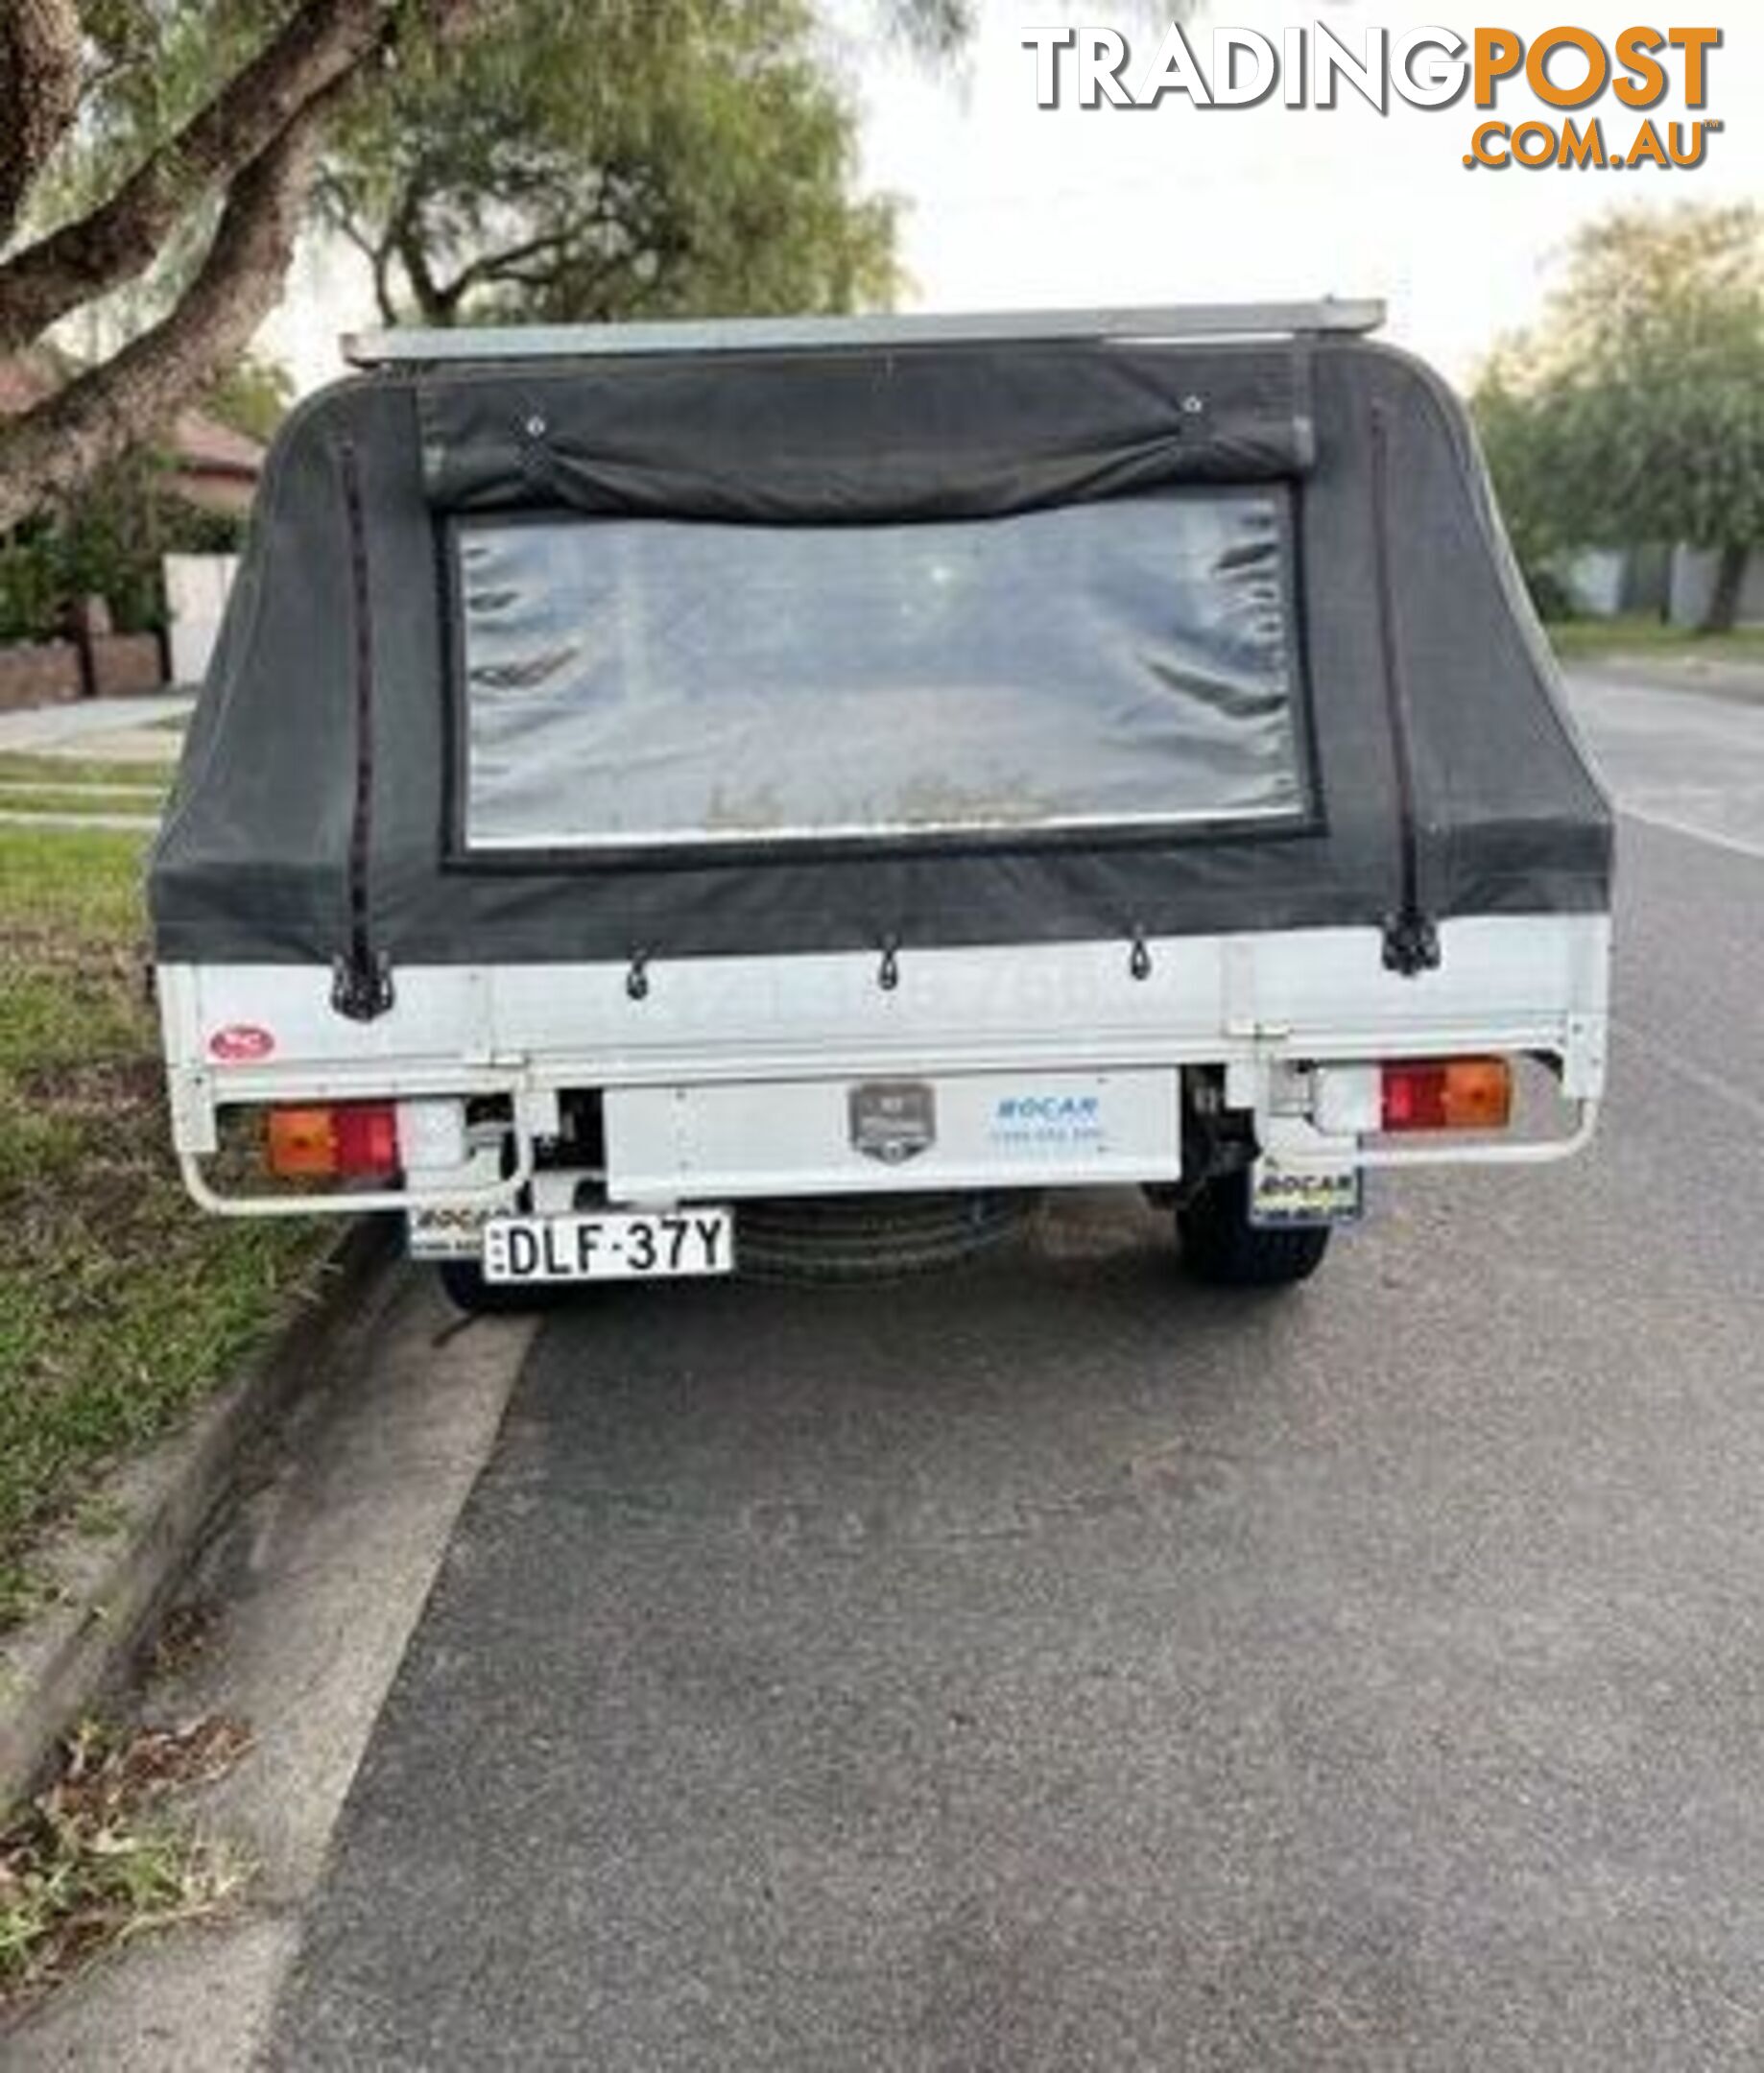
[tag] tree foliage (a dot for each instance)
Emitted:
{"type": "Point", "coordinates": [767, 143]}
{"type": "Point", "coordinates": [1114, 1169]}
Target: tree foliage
{"type": "Point", "coordinates": [1634, 412]}
{"type": "Point", "coordinates": [107, 539]}
{"type": "Point", "coordinates": [638, 158]}
{"type": "Point", "coordinates": [252, 397]}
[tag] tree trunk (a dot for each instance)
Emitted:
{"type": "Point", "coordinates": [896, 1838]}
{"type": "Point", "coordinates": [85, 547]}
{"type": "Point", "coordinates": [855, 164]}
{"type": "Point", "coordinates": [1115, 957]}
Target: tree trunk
{"type": "Point", "coordinates": [55, 447]}
{"type": "Point", "coordinates": [254, 141]}
{"type": "Point", "coordinates": [1723, 599]}
{"type": "Point", "coordinates": [39, 91]}
{"type": "Point", "coordinates": [412, 256]}
{"type": "Point", "coordinates": [319, 45]}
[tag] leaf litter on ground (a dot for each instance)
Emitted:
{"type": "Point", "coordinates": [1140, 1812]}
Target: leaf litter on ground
{"type": "Point", "coordinates": [100, 1857]}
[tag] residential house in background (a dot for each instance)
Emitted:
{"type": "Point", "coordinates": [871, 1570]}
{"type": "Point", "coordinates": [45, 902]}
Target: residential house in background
{"type": "Point", "coordinates": [211, 465]}
{"type": "Point", "coordinates": [59, 632]}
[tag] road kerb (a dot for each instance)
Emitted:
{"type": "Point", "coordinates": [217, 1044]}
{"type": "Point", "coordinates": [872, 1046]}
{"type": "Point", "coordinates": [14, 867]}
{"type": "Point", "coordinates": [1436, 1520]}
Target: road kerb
{"type": "Point", "coordinates": [106, 1589]}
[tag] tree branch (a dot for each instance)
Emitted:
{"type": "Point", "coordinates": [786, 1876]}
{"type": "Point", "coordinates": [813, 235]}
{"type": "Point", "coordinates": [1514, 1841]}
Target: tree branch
{"type": "Point", "coordinates": [320, 46]}
{"type": "Point", "coordinates": [51, 449]}
{"type": "Point", "coordinates": [404, 242]}
{"type": "Point", "coordinates": [388, 308]}
{"type": "Point", "coordinates": [338, 211]}
{"type": "Point", "coordinates": [505, 265]}
{"type": "Point", "coordinates": [39, 90]}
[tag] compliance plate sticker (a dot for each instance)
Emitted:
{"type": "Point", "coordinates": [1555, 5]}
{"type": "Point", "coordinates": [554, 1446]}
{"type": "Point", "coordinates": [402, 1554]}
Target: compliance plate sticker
{"type": "Point", "coordinates": [892, 1120]}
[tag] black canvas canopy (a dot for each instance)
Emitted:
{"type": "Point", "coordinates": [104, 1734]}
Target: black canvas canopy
{"type": "Point", "coordinates": [766, 639]}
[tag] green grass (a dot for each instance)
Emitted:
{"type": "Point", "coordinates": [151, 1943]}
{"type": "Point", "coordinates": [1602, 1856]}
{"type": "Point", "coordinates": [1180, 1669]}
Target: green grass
{"type": "Point", "coordinates": [84, 805]}
{"type": "Point", "coordinates": [51, 771]}
{"type": "Point", "coordinates": [1645, 634]}
{"type": "Point", "coordinates": [121, 1305]}
{"type": "Point", "coordinates": [85, 884]}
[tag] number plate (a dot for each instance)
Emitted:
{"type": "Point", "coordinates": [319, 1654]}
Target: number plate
{"type": "Point", "coordinates": [609, 1246]}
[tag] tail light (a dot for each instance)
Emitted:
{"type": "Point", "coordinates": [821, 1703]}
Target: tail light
{"type": "Point", "coordinates": [1471, 1093]}
{"type": "Point", "coordinates": [347, 1139]}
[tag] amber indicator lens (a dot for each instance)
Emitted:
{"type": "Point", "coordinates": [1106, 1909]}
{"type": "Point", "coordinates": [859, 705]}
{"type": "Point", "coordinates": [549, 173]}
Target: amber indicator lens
{"type": "Point", "coordinates": [346, 1138]}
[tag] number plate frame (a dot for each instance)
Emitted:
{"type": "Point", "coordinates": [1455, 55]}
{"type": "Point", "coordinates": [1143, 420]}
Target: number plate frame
{"type": "Point", "coordinates": [610, 1245]}
{"type": "Point", "coordinates": [1282, 1199]}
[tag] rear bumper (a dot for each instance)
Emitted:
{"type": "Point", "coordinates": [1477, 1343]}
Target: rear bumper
{"type": "Point", "coordinates": [733, 1042]}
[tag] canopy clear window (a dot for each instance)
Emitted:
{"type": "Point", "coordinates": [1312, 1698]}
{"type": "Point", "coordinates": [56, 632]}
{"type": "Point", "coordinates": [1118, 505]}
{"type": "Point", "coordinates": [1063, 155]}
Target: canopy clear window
{"type": "Point", "coordinates": [653, 683]}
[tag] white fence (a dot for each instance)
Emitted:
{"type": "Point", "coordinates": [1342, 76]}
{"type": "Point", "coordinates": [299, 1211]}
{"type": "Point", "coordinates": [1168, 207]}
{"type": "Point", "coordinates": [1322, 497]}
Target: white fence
{"type": "Point", "coordinates": [195, 587]}
{"type": "Point", "coordinates": [1693, 583]}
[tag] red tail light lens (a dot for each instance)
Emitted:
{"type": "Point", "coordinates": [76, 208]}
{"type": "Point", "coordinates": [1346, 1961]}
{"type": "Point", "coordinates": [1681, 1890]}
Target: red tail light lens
{"type": "Point", "coordinates": [347, 1139]}
{"type": "Point", "coordinates": [366, 1137]}
{"type": "Point", "coordinates": [1423, 1094]}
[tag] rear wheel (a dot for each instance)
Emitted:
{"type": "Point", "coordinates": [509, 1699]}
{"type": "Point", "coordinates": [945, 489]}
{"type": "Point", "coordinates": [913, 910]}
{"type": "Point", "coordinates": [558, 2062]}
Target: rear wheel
{"type": "Point", "coordinates": [467, 1289]}
{"type": "Point", "coordinates": [1220, 1244]}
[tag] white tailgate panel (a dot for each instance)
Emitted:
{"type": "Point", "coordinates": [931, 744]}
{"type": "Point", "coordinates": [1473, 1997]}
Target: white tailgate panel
{"type": "Point", "coordinates": [971, 1130]}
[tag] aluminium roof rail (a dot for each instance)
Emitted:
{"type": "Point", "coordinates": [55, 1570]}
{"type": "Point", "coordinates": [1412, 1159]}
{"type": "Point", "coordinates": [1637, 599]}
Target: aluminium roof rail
{"type": "Point", "coordinates": [1139, 325]}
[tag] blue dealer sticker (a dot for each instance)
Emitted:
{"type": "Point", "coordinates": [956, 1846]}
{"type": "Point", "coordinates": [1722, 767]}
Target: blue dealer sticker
{"type": "Point", "coordinates": [1063, 1120]}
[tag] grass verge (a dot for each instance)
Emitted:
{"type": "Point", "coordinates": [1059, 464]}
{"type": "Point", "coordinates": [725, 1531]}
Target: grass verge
{"type": "Point", "coordinates": [83, 805]}
{"type": "Point", "coordinates": [1644, 635]}
{"type": "Point", "coordinates": [99, 1858]}
{"type": "Point", "coordinates": [52, 771]}
{"type": "Point", "coordinates": [120, 1304]}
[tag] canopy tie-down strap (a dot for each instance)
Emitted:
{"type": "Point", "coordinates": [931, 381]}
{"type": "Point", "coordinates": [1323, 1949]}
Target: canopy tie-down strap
{"type": "Point", "coordinates": [360, 978]}
{"type": "Point", "coordinates": [1411, 937]}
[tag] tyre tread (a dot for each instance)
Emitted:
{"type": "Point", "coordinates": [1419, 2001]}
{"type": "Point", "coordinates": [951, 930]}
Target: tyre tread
{"type": "Point", "coordinates": [1222, 1247]}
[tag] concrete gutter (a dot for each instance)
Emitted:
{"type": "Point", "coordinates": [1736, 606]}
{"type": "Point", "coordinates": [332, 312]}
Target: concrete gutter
{"type": "Point", "coordinates": [308, 1588]}
{"type": "Point", "coordinates": [108, 1589]}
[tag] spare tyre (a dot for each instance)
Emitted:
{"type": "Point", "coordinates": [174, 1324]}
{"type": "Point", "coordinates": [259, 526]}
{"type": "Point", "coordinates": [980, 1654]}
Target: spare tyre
{"type": "Point", "coordinates": [874, 1237]}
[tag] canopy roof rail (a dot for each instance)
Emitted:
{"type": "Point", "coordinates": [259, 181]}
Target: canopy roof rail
{"type": "Point", "coordinates": [816, 334]}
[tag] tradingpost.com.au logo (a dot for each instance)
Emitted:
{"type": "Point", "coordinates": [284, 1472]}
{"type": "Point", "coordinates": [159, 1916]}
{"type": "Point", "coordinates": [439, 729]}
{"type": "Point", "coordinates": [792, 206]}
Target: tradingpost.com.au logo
{"type": "Point", "coordinates": [1656, 78]}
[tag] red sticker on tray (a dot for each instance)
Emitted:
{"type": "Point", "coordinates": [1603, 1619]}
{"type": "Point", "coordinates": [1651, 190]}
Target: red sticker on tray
{"type": "Point", "coordinates": [239, 1043]}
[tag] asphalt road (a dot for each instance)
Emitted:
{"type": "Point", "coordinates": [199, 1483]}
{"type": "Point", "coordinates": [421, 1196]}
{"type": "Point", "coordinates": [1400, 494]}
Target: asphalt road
{"type": "Point", "coordinates": [1056, 1666]}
